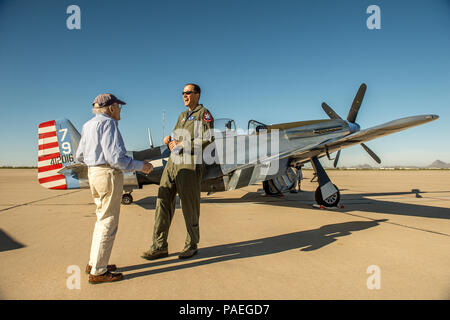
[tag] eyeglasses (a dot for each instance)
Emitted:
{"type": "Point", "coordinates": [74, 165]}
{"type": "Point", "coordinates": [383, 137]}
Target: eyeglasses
{"type": "Point", "coordinates": [116, 104]}
{"type": "Point", "coordinates": [188, 92]}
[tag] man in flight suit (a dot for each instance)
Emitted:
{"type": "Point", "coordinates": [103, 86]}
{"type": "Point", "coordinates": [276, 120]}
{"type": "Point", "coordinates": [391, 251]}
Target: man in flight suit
{"type": "Point", "coordinates": [183, 174]}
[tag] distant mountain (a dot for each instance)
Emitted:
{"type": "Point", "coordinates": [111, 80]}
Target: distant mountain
{"type": "Point", "coordinates": [439, 165]}
{"type": "Point", "coordinates": [364, 166]}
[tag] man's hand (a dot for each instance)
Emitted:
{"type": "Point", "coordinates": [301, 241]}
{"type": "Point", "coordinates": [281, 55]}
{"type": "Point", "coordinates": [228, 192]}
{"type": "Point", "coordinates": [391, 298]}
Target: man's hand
{"type": "Point", "coordinates": [166, 139]}
{"type": "Point", "coordinates": [148, 167]}
{"type": "Point", "coordinates": [173, 144]}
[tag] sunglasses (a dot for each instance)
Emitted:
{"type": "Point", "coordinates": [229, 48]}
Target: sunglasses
{"type": "Point", "coordinates": [188, 92]}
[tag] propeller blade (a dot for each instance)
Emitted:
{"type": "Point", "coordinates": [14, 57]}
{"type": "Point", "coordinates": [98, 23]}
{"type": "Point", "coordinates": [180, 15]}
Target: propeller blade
{"type": "Point", "coordinates": [337, 158]}
{"type": "Point", "coordinates": [330, 112]}
{"type": "Point", "coordinates": [356, 103]}
{"type": "Point", "coordinates": [371, 153]}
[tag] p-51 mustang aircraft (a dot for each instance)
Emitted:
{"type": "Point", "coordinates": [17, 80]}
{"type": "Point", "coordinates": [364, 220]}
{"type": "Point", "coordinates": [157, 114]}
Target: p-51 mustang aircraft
{"type": "Point", "coordinates": [298, 143]}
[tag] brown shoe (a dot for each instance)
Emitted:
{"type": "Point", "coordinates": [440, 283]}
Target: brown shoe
{"type": "Point", "coordinates": [188, 252]}
{"type": "Point", "coordinates": [155, 254]}
{"type": "Point", "coordinates": [106, 277]}
{"type": "Point", "coordinates": [109, 267]}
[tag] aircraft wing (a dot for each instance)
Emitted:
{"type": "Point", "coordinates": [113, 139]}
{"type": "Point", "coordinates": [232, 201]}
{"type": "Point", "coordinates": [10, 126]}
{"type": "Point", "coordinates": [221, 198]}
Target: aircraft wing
{"type": "Point", "coordinates": [362, 136]}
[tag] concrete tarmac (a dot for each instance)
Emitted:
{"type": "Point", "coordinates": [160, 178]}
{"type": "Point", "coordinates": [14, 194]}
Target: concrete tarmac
{"type": "Point", "coordinates": [388, 242]}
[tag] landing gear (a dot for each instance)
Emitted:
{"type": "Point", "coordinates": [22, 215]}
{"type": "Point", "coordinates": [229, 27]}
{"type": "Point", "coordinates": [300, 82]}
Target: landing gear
{"type": "Point", "coordinates": [331, 201]}
{"type": "Point", "coordinates": [280, 184]}
{"type": "Point", "coordinates": [127, 199]}
{"type": "Point", "coordinates": [270, 189]}
{"type": "Point", "coordinates": [327, 194]}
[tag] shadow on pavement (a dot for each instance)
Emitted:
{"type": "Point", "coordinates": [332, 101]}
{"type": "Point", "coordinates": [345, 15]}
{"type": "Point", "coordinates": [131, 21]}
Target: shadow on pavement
{"type": "Point", "coordinates": [351, 202]}
{"type": "Point", "coordinates": [304, 240]}
{"type": "Point", "coordinates": [7, 243]}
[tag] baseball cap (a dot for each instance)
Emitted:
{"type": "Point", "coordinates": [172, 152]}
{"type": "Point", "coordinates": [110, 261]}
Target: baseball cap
{"type": "Point", "coordinates": [106, 99]}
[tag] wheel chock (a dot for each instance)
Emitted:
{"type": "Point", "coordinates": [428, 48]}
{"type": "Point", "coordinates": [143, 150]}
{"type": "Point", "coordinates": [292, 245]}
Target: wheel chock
{"type": "Point", "coordinates": [322, 207]}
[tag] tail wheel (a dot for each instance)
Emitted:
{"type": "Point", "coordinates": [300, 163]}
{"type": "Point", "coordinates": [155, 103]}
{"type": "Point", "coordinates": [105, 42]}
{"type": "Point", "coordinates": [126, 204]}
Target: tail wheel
{"type": "Point", "coordinates": [331, 201]}
{"type": "Point", "coordinates": [127, 199]}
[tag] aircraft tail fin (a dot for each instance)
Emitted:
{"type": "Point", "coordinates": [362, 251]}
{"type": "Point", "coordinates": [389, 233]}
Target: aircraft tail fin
{"type": "Point", "coordinates": [58, 142]}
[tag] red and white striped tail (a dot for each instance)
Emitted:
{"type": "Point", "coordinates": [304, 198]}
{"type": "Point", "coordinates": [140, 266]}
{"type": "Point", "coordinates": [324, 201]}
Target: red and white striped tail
{"type": "Point", "coordinates": [48, 175]}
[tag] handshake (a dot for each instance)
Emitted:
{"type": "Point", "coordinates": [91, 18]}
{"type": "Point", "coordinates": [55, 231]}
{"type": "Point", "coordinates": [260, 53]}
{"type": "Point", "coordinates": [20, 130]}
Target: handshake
{"type": "Point", "coordinates": [172, 144]}
{"type": "Point", "coordinates": [148, 167]}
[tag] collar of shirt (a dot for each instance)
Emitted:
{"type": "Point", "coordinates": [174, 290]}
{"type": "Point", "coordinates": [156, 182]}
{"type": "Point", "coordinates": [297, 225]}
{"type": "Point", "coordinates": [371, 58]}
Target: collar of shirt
{"type": "Point", "coordinates": [103, 115]}
{"type": "Point", "coordinates": [190, 112]}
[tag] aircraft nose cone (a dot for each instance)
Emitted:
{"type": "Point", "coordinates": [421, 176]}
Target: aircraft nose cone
{"type": "Point", "coordinates": [433, 116]}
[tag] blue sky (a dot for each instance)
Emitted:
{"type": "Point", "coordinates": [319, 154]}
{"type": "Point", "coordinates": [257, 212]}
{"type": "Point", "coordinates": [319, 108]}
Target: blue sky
{"type": "Point", "coordinates": [264, 60]}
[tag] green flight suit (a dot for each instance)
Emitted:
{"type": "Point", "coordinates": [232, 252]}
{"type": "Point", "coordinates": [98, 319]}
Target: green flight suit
{"type": "Point", "coordinates": [183, 174]}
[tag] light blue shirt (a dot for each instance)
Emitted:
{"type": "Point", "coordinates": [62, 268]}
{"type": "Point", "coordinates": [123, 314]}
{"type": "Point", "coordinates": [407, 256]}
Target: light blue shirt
{"type": "Point", "coordinates": [101, 143]}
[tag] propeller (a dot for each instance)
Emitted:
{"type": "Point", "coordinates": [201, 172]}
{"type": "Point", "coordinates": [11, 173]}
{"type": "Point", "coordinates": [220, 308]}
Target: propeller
{"type": "Point", "coordinates": [330, 112]}
{"type": "Point", "coordinates": [356, 103]}
{"type": "Point", "coordinates": [371, 153]}
{"type": "Point", "coordinates": [337, 158]}
{"type": "Point", "coordinates": [351, 117]}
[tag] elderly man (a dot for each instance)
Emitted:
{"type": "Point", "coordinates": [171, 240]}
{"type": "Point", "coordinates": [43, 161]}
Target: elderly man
{"type": "Point", "coordinates": [102, 149]}
{"type": "Point", "coordinates": [183, 174]}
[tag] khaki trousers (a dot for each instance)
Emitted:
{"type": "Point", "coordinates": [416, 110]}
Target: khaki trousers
{"type": "Point", "coordinates": [106, 187]}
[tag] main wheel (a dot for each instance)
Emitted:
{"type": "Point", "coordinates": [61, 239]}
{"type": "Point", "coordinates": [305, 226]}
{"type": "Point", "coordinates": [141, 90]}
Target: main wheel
{"type": "Point", "coordinates": [331, 201]}
{"type": "Point", "coordinates": [281, 183]}
{"type": "Point", "coordinates": [127, 199]}
{"type": "Point", "coordinates": [269, 188]}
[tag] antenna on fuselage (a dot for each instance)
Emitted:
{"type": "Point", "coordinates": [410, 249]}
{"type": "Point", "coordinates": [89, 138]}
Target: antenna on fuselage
{"type": "Point", "coordinates": [150, 140]}
{"type": "Point", "coordinates": [163, 122]}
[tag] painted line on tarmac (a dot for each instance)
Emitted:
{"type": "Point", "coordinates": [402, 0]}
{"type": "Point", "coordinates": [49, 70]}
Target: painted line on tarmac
{"type": "Point", "coordinates": [27, 203]}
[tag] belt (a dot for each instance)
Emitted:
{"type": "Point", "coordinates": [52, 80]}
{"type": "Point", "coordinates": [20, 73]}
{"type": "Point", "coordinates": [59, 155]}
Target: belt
{"type": "Point", "coordinates": [102, 166]}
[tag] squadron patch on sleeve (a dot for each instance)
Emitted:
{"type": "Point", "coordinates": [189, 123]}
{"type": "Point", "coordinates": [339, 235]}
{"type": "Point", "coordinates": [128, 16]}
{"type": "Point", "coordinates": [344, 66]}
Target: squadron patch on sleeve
{"type": "Point", "coordinates": [207, 117]}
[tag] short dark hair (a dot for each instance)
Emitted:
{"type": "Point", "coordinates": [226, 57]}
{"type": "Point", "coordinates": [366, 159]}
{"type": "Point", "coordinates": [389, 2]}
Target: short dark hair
{"type": "Point", "coordinates": [196, 87]}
